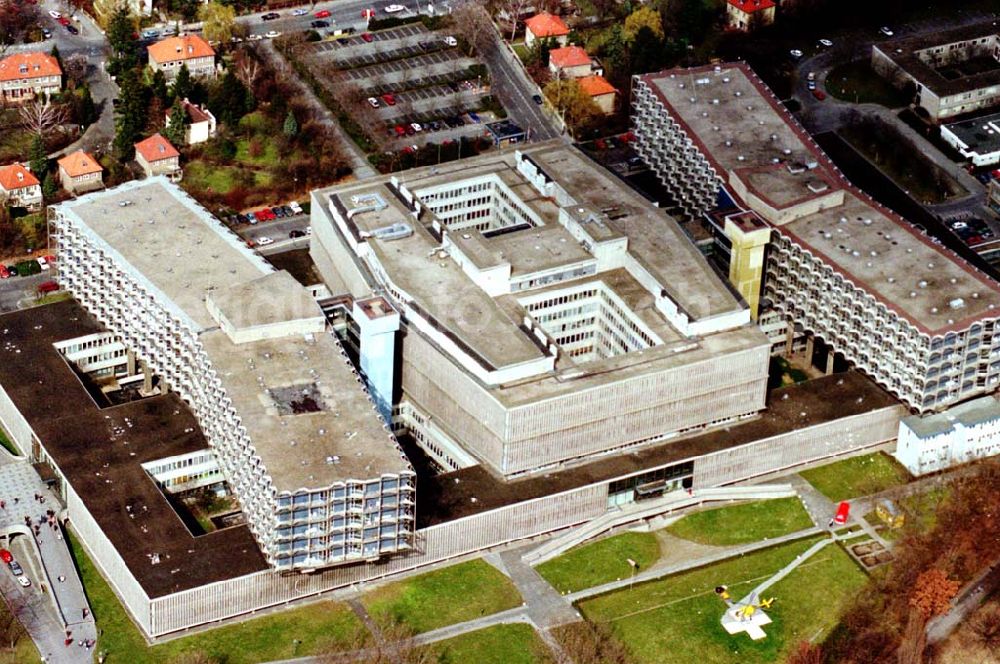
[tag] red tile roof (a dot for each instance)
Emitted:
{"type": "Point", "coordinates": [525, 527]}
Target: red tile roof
{"type": "Point", "coordinates": [546, 25]}
{"type": "Point", "coordinates": [79, 163]}
{"type": "Point", "coordinates": [187, 47]}
{"type": "Point", "coordinates": [195, 112]}
{"type": "Point", "coordinates": [28, 65]}
{"type": "Point", "coordinates": [569, 56]}
{"type": "Point", "coordinates": [16, 176]}
{"type": "Point", "coordinates": [751, 6]}
{"type": "Point", "coordinates": [156, 148]}
{"type": "Point", "coordinates": [595, 86]}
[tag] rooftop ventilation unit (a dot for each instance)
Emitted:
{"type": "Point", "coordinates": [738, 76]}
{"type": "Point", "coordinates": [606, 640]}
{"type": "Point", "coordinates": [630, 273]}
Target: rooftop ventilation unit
{"type": "Point", "coordinates": [957, 303]}
{"type": "Point", "coordinates": [393, 232]}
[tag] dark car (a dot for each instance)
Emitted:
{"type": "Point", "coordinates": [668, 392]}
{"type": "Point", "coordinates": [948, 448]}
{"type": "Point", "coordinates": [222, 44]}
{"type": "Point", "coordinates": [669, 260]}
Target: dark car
{"type": "Point", "coordinates": [320, 24]}
{"type": "Point", "coordinates": [242, 218]}
{"type": "Point", "coordinates": [410, 131]}
{"type": "Point", "coordinates": [270, 16]}
{"type": "Point", "coordinates": [350, 31]}
{"type": "Point", "coordinates": [289, 212]}
{"type": "Point", "coordinates": [435, 125]}
{"type": "Point", "coordinates": [343, 41]}
{"type": "Point", "coordinates": [537, 99]}
{"type": "Point", "coordinates": [295, 234]}
{"type": "Point", "coordinates": [72, 30]}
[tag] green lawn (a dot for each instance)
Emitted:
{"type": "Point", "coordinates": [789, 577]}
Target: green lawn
{"type": "Point", "coordinates": [8, 444]}
{"type": "Point", "coordinates": [739, 524]}
{"type": "Point", "coordinates": [443, 597]}
{"type": "Point", "coordinates": [503, 644]}
{"type": "Point", "coordinates": [202, 176]}
{"type": "Point", "coordinates": [856, 476]}
{"type": "Point", "coordinates": [269, 157]}
{"type": "Point", "coordinates": [318, 627]}
{"type": "Point", "coordinates": [857, 82]}
{"type": "Point", "coordinates": [676, 619]}
{"type": "Point", "coordinates": [599, 562]}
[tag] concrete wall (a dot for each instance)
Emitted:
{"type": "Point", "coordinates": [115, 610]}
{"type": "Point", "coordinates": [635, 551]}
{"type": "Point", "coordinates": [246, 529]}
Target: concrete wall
{"type": "Point", "coordinates": [798, 447]}
{"type": "Point", "coordinates": [14, 424]}
{"type": "Point", "coordinates": [455, 538]}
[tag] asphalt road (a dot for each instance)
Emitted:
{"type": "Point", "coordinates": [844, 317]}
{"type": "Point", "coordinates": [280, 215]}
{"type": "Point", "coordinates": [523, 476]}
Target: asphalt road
{"type": "Point", "coordinates": [276, 230]}
{"type": "Point", "coordinates": [15, 289]}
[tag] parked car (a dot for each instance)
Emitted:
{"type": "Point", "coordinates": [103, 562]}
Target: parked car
{"type": "Point", "coordinates": [886, 31]}
{"type": "Point", "coordinates": [264, 241]}
{"type": "Point", "coordinates": [409, 149]}
{"type": "Point", "coordinates": [254, 37]}
{"type": "Point", "coordinates": [287, 210]}
{"type": "Point", "coordinates": [300, 12]}
{"type": "Point", "coordinates": [389, 99]}
{"type": "Point", "coordinates": [416, 126]}
{"type": "Point", "coordinates": [270, 16]}
{"type": "Point", "coordinates": [843, 513]}
{"type": "Point", "coordinates": [393, 9]}
{"type": "Point", "coordinates": [242, 219]}
{"type": "Point", "coordinates": [4, 274]}
{"type": "Point", "coordinates": [373, 102]}
{"type": "Point", "coordinates": [6, 556]}
{"type": "Point", "coordinates": [323, 13]}
{"type": "Point", "coordinates": [42, 263]}
{"type": "Point", "coordinates": [450, 41]}
{"type": "Point", "coordinates": [150, 33]}
{"type": "Point", "coordinates": [795, 53]}
{"type": "Point", "coordinates": [826, 42]}
{"type": "Point", "coordinates": [400, 131]}
{"type": "Point", "coordinates": [278, 211]}
{"type": "Point", "coordinates": [54, 14]}
{"type": "Point", "coordinates": [296, 234]}
{"type": "Point", "coordinates": [811, 85]}
{"type": "Point", "coordinates": [537, 99]}
{"type": "Point", "coordinates": [46, 33]}
{"type": "Point", "coordinates": [474, 117]}
{"type": "Point", "coordinates": [15, 568]}
{"type": "Point", "coordinates": [251, 217]}
{"type": "Point", "coordinates": [320, 24]}
{"type": "Point", "coordinates": [272, 34]}
{"type": "Point", "coordinates": [367, 36]}
{"type": "Point", "coordinates": [72, 30]}
{"type": "Point", "coordinates": [24, 581]}
{"type": "Point", "coordinates": [819, 94]}
{"type": "Point", "coordinates": [296, 208]}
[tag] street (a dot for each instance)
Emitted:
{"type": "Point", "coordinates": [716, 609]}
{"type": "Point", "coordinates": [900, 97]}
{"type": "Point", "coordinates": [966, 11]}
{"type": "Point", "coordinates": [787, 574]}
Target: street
{"type": "Point", "coordinates": [15, 289]}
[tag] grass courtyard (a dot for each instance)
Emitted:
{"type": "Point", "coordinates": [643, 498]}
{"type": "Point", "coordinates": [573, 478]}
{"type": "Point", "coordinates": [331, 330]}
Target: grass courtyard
{"type": "Point", "coordinates": [670, 620]}
{"type": "Point", "coordinates": [443, 597]}
{"type": "Point", "coordinates": [606, 559]}
{"type": "Point", "coordinates": [740, 524]}
{"type": "Point", "coordinates": [599, 562]}
{"type": "Point", "coordinates": [857, 476]}
{"type": "Point", "coordinates": [318, 627]}
{"type": "Point", "coordinates": [516, 643]}
{"type": "Point", "coordinates": [856, 82]}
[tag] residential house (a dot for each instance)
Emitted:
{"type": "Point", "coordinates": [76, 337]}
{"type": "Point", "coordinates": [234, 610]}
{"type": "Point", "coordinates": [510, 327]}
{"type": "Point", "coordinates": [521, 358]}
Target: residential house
{"type": "Point", "coordinates": [79, 172]}
{"type": "Point", "coordinates": [168, 55]}
{"type": "Point", "coordinates": [545, 26]}
{"type": "Point", "coordinates": [749, 14]}
{"type": "Point", "coordinates": [25, 75]}
{"type": "Point", "coordinates": [572, 62]}
{"type": "Point", "coordinates": [19, 187]}
{"type": "Point", "coordinates": [156, 156]}
{"type": "Point", "coordinates": [603, 93]}
{"type": "Point", "coordinates": [201, 123]}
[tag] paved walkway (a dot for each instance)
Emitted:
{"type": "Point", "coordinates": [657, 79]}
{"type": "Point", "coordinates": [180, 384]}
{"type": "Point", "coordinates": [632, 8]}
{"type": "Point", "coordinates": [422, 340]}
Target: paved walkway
{"type": "Point", "coordinates": [359, 162]}
{"type": "Point", "coordinates": [55, 603]}
{"type": "Point", "coordinates": [546, 607]}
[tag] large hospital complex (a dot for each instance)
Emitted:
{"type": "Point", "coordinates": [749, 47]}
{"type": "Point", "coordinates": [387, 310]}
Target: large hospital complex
{"type": "Point", "coordinates": [552, 342]}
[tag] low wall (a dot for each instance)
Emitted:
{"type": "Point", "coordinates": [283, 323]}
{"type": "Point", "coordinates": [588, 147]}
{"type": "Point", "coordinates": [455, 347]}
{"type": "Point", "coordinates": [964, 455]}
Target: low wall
{"type": "Point", "coordinates": [14, 424]}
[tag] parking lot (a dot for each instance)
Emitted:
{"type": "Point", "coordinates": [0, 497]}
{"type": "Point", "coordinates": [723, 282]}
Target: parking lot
{"type": "Point", "coordinates": [420, 86]}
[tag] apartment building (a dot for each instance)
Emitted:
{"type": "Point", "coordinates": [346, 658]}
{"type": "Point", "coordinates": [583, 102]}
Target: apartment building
{"type": "Point", "coordinates": [319, 476]}
{"type": "Point", "coordinates": [950, 72]}
{"type": "Point", "coordinates": [551, 313]}
{"type": "Point", "coordinates": [170, 54]}
{"type": "Point", "coordinates": [939, 441]}
{"type": "Point", "coordinates": [24, 76]}
{"type": "Point", "coordinates": [803, 241]}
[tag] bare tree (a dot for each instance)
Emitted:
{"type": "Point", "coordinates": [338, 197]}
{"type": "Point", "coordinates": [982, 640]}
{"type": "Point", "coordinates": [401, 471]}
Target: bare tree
{"type": "Point", "coordinates": [75, 68]}
{"type": "Point", "coordinates": [513, 9]}
{"type": "Point", "coordinates": [11, 629]}
{"type": "Point", "coordinates": [591, 643]}
{"type": "Point", "coordinates": [393, 645]}
{"type": "Point", "coordinates": [247, 69]}
{"type": "Point", "coordinates": [473, 23]}
{"type": "Point", "coordinates": [40, 116]}
{"type": "Point", "coordinates": [985, 625]}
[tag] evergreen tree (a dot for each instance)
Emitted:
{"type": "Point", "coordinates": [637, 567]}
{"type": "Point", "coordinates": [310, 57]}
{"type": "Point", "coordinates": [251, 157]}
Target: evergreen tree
{"type": "Point", "coordinates": [49, 187]}
{"type": "Point", "coordinates": [121, 37]}
{"type": "Point", "coordinates": [230, 100]}
{"type": "Point", "coordinates": [58, 56]}
{"type": "Point", "coordinates": [130, 114]}
{"type": "Point", "coordinates": [86, 112]}
{"type": "Point", "coordinates": [183, 84]}
{"type": "Point", "coordinates": [291, 127]}
{"type": "Point", "coordinates": [38, 159]}
{"type": "Point", "coordinates": [176, 124]}
{"type": "Point", "coordinates": [159, 87]}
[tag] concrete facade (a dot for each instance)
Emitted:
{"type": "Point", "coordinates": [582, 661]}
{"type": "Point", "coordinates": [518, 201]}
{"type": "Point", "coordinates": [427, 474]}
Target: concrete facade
{"type": "Point", "coordinates": [965, 433]}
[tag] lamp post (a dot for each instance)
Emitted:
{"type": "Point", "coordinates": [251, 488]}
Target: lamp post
{"type": "Point", "coordinates": [635, 566]}
{"type": "Point", "coordinates": [295, 646]}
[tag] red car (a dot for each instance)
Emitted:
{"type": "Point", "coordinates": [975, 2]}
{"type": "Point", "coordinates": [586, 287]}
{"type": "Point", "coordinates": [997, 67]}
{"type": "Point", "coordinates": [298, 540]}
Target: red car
{"type": "Point", "coordinates": [389, 100]}
{"type": "Point", "coordinates": [48, 287]}
{"type": "Point", "coordinates": [843, 512]}
{"type": "Point", "coordinates": [819, 94]}
{"type": "Point", "coordinates": [400, 130]}
{"type": "Point", "coordinates": [50, 259]}
{"type": "Point", "coordinates": [264, 214]}
{"type": "Point", "coordinates": [4, 272]}
{"type": "Point", "coordinates": [368, 37]}
{"type": "Point", "coordinates": [5, 556]}
{"type": "Point", "coordinates": [323, 13]}
{"type": "Point", "coordinates": [63, 21]}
